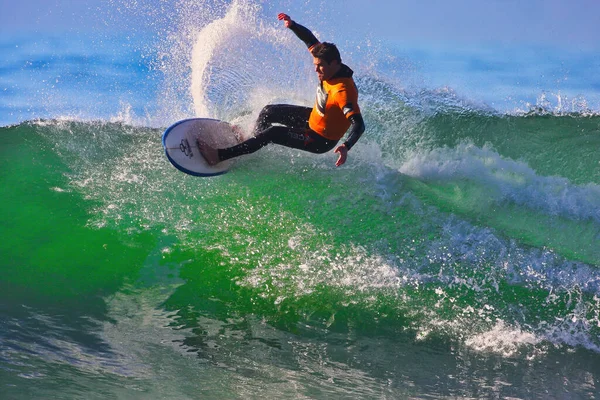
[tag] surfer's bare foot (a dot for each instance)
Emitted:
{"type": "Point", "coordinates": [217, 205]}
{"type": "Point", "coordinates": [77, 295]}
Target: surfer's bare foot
{"type": "Point", "coordinates": [211, 155]}
{"type": "Point", "coordinates": [238, 132]}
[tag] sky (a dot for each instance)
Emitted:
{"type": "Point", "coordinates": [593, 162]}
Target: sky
{"type": "Point", "coordinates": [574, 23]}
{"type": "Point", "coordinates": [539, 21]}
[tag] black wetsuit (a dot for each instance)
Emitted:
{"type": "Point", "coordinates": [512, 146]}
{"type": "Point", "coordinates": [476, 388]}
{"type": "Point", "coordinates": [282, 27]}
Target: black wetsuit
{"type": "Point", "coordinates": [295, 133]}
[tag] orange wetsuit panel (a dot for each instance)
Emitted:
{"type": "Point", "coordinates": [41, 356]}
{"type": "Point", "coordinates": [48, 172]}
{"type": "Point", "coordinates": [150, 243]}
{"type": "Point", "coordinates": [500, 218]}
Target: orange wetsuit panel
{"type": "Point", "coordinates": [337, 100]}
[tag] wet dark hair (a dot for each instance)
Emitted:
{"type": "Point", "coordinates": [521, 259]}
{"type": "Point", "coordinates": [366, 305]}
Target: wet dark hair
{"type": "Point", "coordinates": [327, 52]}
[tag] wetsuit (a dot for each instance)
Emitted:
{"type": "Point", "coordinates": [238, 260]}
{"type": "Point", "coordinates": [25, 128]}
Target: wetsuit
{"type": "Point", "coordinates": [316, 130]}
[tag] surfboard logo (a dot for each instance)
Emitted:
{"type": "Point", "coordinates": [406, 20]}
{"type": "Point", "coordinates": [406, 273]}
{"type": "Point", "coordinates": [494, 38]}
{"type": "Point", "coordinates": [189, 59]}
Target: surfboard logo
{"type": "Point", "coordinates": [185, 148]}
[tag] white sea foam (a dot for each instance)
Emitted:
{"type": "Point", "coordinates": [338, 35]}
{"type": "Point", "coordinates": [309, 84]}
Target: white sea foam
{"type": "Point", "coordinates": [237, 68]}
{"type": "Point", "coordinates": [502, 339]}
{"type": "Point", "coordinates": [506, 180]}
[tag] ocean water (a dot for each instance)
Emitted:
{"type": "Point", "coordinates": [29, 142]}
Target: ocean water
{"type": "Point", "coordinates": [455, 255]}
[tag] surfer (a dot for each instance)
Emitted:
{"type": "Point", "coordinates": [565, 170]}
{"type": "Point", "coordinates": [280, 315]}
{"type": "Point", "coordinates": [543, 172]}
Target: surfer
{"type": "Point", "coordinates": [316, 130]}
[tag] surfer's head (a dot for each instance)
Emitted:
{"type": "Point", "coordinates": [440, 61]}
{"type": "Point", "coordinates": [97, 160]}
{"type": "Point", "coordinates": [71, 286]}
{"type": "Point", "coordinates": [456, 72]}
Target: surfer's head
{"type": "Point", "coordinates": [327, 52]}
{"type": "Point", "coordinates": [327, 60]}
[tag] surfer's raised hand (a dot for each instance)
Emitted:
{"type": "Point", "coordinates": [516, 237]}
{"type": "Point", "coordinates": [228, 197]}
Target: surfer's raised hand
{"type": "Point", "coordinates": [343, 152]}
{"type": "Point", "coordinates": [286, 19]}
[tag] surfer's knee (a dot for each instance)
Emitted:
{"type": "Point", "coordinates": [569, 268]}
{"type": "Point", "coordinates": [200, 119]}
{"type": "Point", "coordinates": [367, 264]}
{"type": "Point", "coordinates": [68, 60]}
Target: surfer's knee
{"type": "Point", "coordinates": [263, 120]}
{"type": "Point", "coordinates": [266, 112]}
{"type": "Point", "coordinates": [268, 108]}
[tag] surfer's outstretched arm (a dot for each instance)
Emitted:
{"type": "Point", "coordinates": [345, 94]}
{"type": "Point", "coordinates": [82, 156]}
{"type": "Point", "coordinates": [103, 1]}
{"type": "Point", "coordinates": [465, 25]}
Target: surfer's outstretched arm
{"type": "Point", "coordinates": [302, 32]}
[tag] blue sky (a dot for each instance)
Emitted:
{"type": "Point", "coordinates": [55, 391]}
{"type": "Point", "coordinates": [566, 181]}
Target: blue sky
{"type": "Point", "coordinates": [537, 21]}
{"type": "Point", "coordinates": [574, 23]}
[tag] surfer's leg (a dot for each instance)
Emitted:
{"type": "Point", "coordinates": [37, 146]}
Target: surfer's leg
{"type": "Point", "coordinates": [253, 144]}
{"type": "Point", "coordinates": [285, 114]}
{"type": "Point", "coordinates": [304, 139]}
{"type": "Point", "coordinates": [294, 120]}
{"type": "Point", "coordinates": [297, 138]}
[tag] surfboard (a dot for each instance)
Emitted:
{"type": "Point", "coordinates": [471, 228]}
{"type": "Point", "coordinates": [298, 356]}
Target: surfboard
{"type": "Point", "coordinates": [181, 148]}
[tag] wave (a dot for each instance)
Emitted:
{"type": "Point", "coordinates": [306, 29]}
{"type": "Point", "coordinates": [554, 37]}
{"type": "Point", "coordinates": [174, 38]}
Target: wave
{"type": "Point", "coordinates": [447, 235]}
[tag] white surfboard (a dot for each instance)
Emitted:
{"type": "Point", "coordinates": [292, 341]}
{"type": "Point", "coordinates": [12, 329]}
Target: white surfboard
{"type": "Point", "coordinates": [181, 148]}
